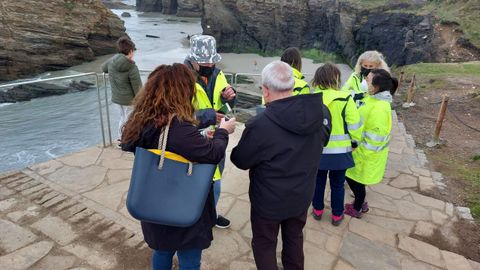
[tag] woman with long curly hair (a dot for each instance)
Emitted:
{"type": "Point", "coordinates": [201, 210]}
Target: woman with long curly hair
{"type": "Point", "coordinates": [167, 95]}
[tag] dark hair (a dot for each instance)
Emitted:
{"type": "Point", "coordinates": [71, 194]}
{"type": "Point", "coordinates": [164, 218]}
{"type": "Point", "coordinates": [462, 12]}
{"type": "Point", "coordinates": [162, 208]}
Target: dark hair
{"type": "Point", "coordinates": [292, 57]}
{"type": "Point", "coordinates": [384, 81]}
{"type": "Point", "coordinates": [327, 76]}
{"type": "Point", "coordinates": [169, 90]}
{"type": "Point", "coordinates": [125, 45]}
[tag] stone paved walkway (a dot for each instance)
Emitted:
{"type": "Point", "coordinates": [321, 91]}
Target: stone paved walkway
{"type": "Point", "coordinates": [70, 213]}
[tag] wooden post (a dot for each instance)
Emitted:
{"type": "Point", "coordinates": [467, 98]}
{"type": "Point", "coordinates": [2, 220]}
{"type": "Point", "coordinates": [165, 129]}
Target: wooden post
{"type": "Point", "coordinates": [411, 89]}
{"type": "Point", "coordinates": [441, 116]}
{"type": "Point", "coordinates": [399, 82]}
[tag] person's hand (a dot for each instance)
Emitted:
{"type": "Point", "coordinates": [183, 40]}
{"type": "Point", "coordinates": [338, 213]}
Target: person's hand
{"type": "Point", "coordinates": [210, 134]}
{"type": "Point", "coordinates": [228, 94]}
{"type": "Point", "coordinates": [220, 116]}
{"type": "Point", "coordinates": [228, 125]}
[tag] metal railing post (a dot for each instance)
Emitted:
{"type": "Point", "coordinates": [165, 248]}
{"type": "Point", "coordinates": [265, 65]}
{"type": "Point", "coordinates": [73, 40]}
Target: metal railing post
{"type": "Point", "coordinates": [97, 85]}
{"type": "Point", "coordinates": [100, 111]}
{"type": "Point", "coordinates": [109, 127]}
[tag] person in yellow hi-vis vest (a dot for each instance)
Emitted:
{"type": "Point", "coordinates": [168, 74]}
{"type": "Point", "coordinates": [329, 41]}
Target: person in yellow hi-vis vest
{"type": "Point", "coordinates": [356, 83]}
{"type": "Point", "coordinates": [346, 132]}
{"type": "Point", "coordinates": [372, 152]}
{"type": "Point", "coordinates": [293, 57]}
{"type": "Point", "coordinates": [213, 92]}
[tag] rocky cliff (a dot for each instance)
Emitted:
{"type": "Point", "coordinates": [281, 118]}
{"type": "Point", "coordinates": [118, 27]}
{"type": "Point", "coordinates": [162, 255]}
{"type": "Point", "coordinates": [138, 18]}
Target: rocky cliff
{"type": "Point", "coordinates": [183, 8]}
{"type": "Point", "coordinates": [37, 36]}
{"type": "Point", "coordinates": [329, 25]}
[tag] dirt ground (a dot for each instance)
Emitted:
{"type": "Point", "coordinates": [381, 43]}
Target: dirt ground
{"type": "Point", "coordinates": [458, 156]}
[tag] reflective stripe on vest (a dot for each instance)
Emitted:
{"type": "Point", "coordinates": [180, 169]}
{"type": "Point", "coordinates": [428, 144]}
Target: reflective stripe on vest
{"type": "Point", "coordinates": [342, 137]}
{"type": "Point", "coordinates": [355, 126]}
{"type": "Point", "coordinates": [375, 148]}
{"type": "Point", "coordinates": [337, 150]}
{"type": "Point", "coordinates": [375, 137]}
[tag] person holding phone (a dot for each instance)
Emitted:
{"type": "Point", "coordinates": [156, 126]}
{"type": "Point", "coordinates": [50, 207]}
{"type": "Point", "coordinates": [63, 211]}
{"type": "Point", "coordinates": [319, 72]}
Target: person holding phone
{"type": "Point", "coordinates": [212, 93]}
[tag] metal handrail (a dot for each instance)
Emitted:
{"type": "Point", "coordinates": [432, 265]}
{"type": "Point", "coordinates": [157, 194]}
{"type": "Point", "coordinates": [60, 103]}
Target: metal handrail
{"type": "Point", "coordinates": [71, 77]}
{"type": "Point", "coordinates": [106, 107]}
{"type": "Point", "coordinates": [257, 75]}
{"type": "Point", "coordinates": [233, 79]}
{"type": "Point", "coordinates": [48, 80]}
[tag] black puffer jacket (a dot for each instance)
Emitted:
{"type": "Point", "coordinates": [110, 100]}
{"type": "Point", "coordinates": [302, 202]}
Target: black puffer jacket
{"type": "Point", "coordinates": [184, 139]}
{"type": "Point", "coordinates": [282, 148]}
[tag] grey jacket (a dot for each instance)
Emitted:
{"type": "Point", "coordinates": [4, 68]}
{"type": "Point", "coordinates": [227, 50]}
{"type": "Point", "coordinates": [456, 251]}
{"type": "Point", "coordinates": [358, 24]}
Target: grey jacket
{"type": "Point", "coordinates": [124, 79]}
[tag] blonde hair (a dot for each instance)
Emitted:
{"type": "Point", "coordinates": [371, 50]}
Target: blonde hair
{"type": "Point", "coordinates": [372, 56]}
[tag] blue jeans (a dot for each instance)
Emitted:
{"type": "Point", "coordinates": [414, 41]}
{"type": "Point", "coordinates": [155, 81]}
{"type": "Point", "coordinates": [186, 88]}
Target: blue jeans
{"type": "Point", "coordinates": [337, 198]}
{"type": "Point", "coordinates": [187, 259]}
{"type": "Point", "coordinates": [217, 187]}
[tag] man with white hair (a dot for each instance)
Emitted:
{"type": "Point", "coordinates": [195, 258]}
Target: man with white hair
{"type": "Point", "coordinates": [282, 148]}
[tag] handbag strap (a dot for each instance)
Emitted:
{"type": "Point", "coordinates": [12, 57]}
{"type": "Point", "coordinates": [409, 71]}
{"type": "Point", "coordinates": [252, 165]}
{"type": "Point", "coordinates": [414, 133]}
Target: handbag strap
{"type": "Point", "coordinates": [162, 146]}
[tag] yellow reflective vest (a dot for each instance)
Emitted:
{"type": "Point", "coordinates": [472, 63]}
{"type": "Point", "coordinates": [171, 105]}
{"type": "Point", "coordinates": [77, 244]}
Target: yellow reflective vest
{"type": "Point", "coordinates": [372, 153]}
{"type": "Point", "coordinates": [301, 86]}
{"type": "Point", "coordinates": [352, 86]}
{"type": "Point", "coordinates": [201, 101]}
{"type": "Point", "coordinates": [346, 123]}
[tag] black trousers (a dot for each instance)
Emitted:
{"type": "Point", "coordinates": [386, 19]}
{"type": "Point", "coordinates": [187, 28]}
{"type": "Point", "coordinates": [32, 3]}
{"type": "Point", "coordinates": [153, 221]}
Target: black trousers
{"type": "Point", "coordinates": [264, 241]}
{"type": "Point", "coordinates": [359, 192]}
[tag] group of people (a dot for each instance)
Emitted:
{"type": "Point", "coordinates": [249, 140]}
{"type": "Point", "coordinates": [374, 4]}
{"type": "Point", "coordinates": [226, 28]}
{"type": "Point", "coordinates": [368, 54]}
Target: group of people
{"type": "Point", "coordinates": [305, 133]}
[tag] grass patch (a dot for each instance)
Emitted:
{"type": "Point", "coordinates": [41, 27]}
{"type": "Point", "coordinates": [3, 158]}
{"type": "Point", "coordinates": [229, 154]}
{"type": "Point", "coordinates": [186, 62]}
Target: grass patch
{"type": "Point", "coordinates": [464, 12]}
{"type": "Point", "coordinates": [435, 75]}
{"type": "Point", "coordinates": [443, 69]}
{"type": "Point", "coordinates": [318, 56]}
{"type": "Point", "coordinates": [475, 208]}
{"type": "Point", "coordinates": [469, 174]}
{"type": "Point", "coordinates": [368, 4]}
{"type": "Point", "coordinates": [70, 5]}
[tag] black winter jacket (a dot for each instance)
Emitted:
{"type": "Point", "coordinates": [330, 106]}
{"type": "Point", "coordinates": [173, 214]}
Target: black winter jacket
{"type": "Point", "coordinates": [184, 139]}
{"type": "Point", "coordinates": [282, 149]}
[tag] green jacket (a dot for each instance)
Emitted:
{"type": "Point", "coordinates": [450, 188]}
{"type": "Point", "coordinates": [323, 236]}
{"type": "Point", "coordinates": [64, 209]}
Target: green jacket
{"type": "Point", "coordinates": [124, 79]}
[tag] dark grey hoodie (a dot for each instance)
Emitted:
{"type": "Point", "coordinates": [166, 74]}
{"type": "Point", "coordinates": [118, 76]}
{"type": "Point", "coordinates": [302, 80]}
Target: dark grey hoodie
{"type": "Point", "coordinates": [282, 148]}
{"type": "Point", "coordinates": [124, 79]}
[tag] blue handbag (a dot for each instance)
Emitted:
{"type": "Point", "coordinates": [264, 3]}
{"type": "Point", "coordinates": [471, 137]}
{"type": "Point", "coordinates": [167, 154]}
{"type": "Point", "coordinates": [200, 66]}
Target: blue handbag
{"type": "Point", "coordinates": [167, 189]}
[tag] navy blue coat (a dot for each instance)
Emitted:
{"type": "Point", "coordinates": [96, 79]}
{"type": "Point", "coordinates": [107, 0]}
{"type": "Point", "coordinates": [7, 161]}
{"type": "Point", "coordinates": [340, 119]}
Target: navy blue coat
{"type": "Point", "coordinates": [281, 148]}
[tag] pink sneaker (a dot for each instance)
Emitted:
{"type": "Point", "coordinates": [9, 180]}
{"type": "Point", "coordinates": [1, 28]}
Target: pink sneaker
{"type": "Point", "coordinates": [349, 210]}
{"type": "Point", "coordinates": [337, 220]}
{"type": "Point", "coordinates": [365, 208]}
{"type": "Point", "coordinates": [317, 214]}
